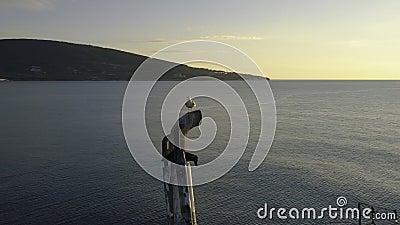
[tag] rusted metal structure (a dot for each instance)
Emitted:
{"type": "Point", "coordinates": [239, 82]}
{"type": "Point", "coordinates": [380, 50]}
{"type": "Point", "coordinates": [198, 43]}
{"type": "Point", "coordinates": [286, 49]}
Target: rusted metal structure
{"type": "Point", "coordinates": [180, 199]}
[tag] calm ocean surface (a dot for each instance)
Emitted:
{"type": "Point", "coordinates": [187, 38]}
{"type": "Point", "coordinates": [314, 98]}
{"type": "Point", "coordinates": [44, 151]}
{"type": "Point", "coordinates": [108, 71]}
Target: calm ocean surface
{"type": "Point", "coordinates": [63, 157]}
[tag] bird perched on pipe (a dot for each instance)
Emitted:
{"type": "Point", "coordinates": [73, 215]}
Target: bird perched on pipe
{"type": "Point", "coordinates": [190, 103]}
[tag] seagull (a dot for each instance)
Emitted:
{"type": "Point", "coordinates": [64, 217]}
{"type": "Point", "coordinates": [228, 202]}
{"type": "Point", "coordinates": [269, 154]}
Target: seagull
{"type": "Point", "coordinates": [190, 104]}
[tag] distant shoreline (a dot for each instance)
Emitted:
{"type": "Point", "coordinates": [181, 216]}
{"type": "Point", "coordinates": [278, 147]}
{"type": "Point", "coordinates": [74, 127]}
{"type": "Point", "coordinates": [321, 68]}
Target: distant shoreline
{"type": "Point", "coordinates": [46, 60]}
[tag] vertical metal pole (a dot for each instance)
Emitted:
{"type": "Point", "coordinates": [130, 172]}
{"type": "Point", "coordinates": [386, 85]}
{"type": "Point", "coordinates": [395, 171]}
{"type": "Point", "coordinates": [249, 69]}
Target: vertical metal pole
{"type": "Point", "coordinates": [373, 215]}
{"type": "Point", "coordinates": [191, 193]}
{"type": "Point", "coordinates": [179, 199]}
{"type": "Point", "coordinates": [189, 181]}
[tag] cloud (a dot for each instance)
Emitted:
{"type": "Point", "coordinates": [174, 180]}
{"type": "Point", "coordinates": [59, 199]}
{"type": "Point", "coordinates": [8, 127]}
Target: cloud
{"type": "Point", "coordinates": [212, 37]}
{"type": "Point", "coordinates": [159, 40]}
{"type": "Point", "coordinates": [231, 37]}
{"type": "Point", "coordinates": [35, 5]}
{"type": "Point", "coordinates": [366, 43]}
{"type": "Point", "coordinates": [155, 40]}
{"type": "Point", "coordinates": [189, 29]}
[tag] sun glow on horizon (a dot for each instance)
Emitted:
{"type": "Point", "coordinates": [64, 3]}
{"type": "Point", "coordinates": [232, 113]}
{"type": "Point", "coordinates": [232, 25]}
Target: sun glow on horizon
{"type": "Point", "coordinates": [310, 39]}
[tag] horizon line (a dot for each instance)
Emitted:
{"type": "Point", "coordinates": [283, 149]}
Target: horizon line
{"type": "Point", "coordinates": [209, 68]}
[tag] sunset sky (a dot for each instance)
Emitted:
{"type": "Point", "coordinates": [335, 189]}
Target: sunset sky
{"type": "Point", "coordinates": [288, 39]}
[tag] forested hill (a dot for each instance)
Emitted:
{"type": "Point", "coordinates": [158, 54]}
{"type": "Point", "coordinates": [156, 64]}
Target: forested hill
{"type": "Point", "coordinates": [28, 59]}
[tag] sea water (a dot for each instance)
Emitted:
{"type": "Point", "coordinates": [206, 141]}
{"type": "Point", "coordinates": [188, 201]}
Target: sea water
{"type": "Point", "coordinates": [63, 156]}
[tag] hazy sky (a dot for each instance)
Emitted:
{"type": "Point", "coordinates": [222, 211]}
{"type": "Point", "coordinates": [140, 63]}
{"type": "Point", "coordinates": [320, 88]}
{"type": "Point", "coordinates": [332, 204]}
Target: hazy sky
{"type": "Point", "coordinates": [288, 39]}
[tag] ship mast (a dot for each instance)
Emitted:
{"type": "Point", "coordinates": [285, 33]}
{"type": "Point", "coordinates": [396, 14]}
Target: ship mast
{"type": "Point", "coordinates": [180, 199]}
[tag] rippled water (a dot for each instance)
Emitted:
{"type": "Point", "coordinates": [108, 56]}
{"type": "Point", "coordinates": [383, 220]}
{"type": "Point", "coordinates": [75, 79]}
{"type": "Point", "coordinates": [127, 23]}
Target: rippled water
{"type": "Point", "coordinates": [63, 157]}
